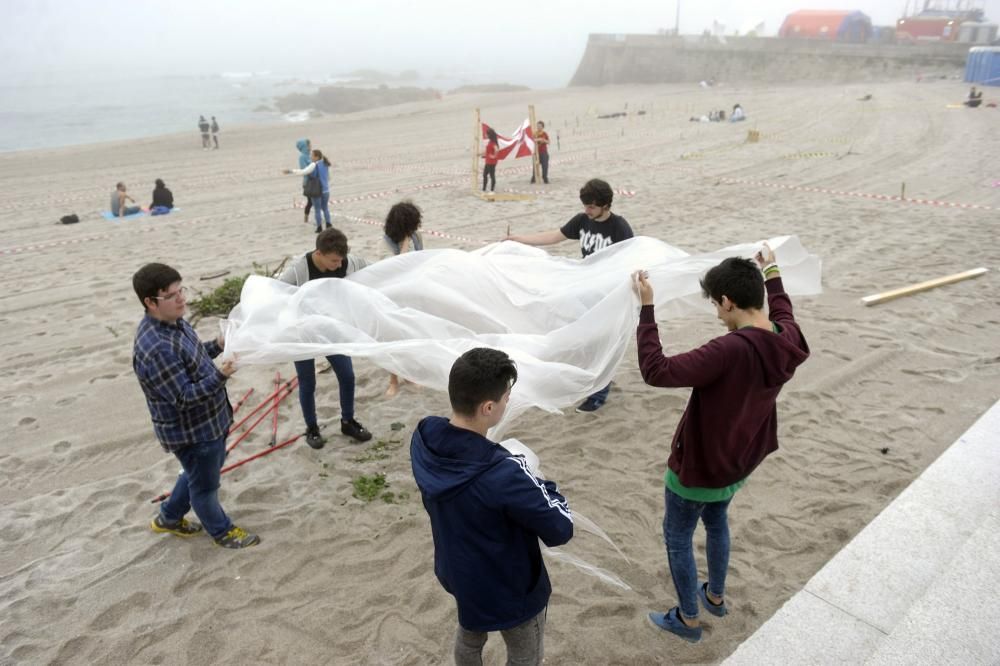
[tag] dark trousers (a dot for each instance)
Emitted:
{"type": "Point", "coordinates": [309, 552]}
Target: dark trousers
{"type": "Point", "coordinates": [543, 161]}
{"type": "Point", "coordinates": [491, 171]}
{"type": "Point", "coordinates": [306, 372]}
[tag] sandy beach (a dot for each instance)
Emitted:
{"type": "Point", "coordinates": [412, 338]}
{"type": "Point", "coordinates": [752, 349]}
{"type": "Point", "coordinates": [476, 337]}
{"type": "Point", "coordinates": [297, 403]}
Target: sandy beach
{"type": "Point", "coordinates": [336, 580]}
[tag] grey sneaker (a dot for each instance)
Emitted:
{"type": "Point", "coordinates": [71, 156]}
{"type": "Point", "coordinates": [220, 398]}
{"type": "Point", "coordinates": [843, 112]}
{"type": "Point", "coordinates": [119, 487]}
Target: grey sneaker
{"type": "Point", "coordinates": [237, 537]}
{"type": "Point", "coordinates": [182, 528]}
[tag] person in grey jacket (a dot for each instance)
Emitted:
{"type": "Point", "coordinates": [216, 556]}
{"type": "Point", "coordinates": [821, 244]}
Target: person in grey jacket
{"type": "Point", "coordinates": [330, 259]}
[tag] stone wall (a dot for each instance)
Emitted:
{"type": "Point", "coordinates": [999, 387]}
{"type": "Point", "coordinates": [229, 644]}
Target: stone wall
{"type": "Point", "coordinates": [611, 59]}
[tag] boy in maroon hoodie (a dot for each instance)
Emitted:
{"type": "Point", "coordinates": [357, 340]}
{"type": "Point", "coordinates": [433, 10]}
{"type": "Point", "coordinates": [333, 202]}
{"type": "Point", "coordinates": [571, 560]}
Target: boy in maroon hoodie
{"type": "Point", "coordinates": [730, 424]}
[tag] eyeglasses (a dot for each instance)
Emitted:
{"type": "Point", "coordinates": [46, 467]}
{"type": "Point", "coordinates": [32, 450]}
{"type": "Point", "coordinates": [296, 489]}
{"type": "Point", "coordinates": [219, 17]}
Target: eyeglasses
{"type": "Point", "coordinates": [176, 297]}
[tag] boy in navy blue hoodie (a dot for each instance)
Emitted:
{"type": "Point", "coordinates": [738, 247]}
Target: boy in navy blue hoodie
{"type": "Point", "coordinates": [487, 512]}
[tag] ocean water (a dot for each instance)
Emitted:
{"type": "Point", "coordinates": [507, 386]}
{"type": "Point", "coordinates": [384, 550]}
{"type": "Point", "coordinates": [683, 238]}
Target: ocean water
{"type": "Point", "coordinates": [63, 110]}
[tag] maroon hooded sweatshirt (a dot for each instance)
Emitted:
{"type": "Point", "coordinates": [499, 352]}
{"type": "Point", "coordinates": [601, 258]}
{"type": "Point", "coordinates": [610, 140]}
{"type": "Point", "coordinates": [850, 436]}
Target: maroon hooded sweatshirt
{"type": "Point", "coordinates": [731, 422]}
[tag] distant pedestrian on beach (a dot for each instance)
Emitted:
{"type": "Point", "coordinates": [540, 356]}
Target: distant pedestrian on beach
{"type": "Point", "coordinates": [330, 259]}
{"type": "Point", "coordinates": [737, 115]}
{"type": "Point", "coordinates": [490, 168]}
{"type": "Point", "coordinates": [163, 199]}
{"type": "Point", "coordinates": [488, 510]}
{"type": "Point", "coordinates": [401, 234]}
{"type": "Point", "coordinates": [542, 141]}
{"type": "Point", "coordinates": [730, 424]}
{"type": "Point", "coordinates": [597, 228]}
{"type": "Point", "coordinates": [317, 171]}
{"type": "Point", "coordinates": [187, 400]}
{"type": "Point", "coordinates": [305, 149]}
{"type": "Point", "coordinates": [119, 207]}
{"type": "Point", "coordinates": [215, 132]}
{"type": "Point", "coordinates": [204, 127]}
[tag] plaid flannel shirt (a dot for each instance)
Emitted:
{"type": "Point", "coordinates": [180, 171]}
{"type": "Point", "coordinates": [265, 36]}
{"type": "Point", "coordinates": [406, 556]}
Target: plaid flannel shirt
{"type": "Point", "coordinates": [185, 392]}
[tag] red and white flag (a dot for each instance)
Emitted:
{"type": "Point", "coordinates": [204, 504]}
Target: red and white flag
{"type": "Point", "coordinates": [521, 143]}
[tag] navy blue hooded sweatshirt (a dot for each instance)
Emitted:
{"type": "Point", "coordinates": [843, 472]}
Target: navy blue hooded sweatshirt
{"type": "Point", "coordinates": [487, 513]}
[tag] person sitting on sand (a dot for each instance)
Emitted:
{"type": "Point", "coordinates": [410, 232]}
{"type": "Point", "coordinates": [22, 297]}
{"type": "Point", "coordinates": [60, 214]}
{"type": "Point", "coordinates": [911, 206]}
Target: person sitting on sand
{"type": "Point", "coordinates": [487, 510]}
{"type": "Point", "coordinates": [330, 259]}
{"type": "Point", "coordinates": [401, 235]}
{"type": "Point", "coordinates": [729, 425]}
{"type": "Point", "coordinates": [187, 400]}
{"type": "Point", "coordinates": [119, 197]}
{"type": "Point", "coordinates": [737, 115]}
{"type": "Point", "coordinates": [975, 98]}
{"type": "Point", "coordinates": [597, 228]}
{"type": "Point", "coordinates": [162, 197]}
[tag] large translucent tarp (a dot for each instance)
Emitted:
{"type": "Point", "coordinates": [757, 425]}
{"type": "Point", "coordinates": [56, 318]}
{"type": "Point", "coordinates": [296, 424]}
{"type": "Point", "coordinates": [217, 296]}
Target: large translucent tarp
{"type": "Point", "coordinates": [566, 322]}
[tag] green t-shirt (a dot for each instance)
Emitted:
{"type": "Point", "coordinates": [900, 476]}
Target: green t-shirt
{"type": "Point", "coordinates": [700, 494]}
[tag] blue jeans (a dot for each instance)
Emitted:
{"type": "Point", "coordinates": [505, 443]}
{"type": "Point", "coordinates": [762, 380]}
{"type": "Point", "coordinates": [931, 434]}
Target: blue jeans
{"type": "Point", "coordinates": [306, 372]}
{"type": "Point", "coordinates": [543, 161]}
{"type": "Point", "coordinates": [321, 204]}
{"type": "Point", "coordinates": [198, 487]}
{"type": "Point", "coordinates": [600, 397]}
{"type": "Point", "coordinates": [679, 522]}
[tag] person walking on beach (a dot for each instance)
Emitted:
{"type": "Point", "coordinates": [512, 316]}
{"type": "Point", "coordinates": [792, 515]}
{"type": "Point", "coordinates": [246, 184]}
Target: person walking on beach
{"type": "Point", "coordinates": [319, 170]}
{"type": "Point", "coordinates": [215, 132]}
{"type": "Point", "coordinates": [163, 199]}
{"type": "Point", "coordinates": [203, 126]}
{"type": "Point", "coordinates": [119, 199]}
{"type": "Point", "coordinates": [189, 406]}
{"type": "Point", "coordinates": [490, 168]}
{"type": "Point", "coordinates": [305, 148]}
{"type": "Point", "coordinates": [737, 115]}
{"type": "Point", "coordinates": [401, 234]}
{"type": "Point", "coordinates": [542, 141]}
{"type": "Point", "coordinates": [330, 259]}
{"type": "Point", "coordinates": [730, 424]}
{"type": "Point", "coordinates": [487, 511]}
{"type": "Point", "coordinates": [597, 228]}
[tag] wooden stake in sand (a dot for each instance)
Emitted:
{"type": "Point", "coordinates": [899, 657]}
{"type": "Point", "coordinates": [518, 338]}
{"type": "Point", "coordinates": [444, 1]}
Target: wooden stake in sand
{"type": "Point", "coordinates": [536, 167]}
{"type": "Point", "coordinates": [875, 299]}
{"type": "Point", "coordinates": [477, 141]}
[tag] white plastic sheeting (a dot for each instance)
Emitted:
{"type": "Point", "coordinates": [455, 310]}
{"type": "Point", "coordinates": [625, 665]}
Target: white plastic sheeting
{"type": "Point", "coordinates": [566, 322]}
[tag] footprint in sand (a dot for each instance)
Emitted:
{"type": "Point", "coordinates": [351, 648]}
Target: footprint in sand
{"type": "Point", "coordinates": [101, 377]}
{"type": "Point", "coordinates": [62, 447]}
{"type": "Point", "coordinates": [65, 401]}
{"type": "Point", "coordinates": [113, 616]}
{"type": "Point", "coordinates": [27, 420]}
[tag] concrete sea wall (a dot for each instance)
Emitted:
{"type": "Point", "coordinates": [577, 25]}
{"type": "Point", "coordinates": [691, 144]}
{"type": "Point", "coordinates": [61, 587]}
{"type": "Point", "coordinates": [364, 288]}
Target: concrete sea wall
{"type": "Point", "coordinates": [611, 59]}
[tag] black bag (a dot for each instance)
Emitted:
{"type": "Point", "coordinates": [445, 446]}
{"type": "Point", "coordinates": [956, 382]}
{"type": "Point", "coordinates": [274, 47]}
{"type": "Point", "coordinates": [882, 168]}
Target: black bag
{"type": "Point", "coordinates": [313, 187]}
{"type": "Point", "coordinates": [69, 219]}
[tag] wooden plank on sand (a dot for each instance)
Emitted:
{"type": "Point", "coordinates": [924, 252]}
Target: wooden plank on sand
{"type": "Point", "coordinates": [875, 299]}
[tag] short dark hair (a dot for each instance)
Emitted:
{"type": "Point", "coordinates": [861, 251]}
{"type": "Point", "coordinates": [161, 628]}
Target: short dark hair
{"type": "Point", "coordinates": [479, 375]}
{"type": "Point", "coordinates": [160, 183]}
{"type": "Point", "coordinates": [151, 279]}
{"type": "Point", "coordinates": [596, 192]}
{"type": "Point", "coordinates": [739, 279]}
{"type": "Point", "coordinates": [332, 241]}
{"type": "Point", "coordinates": [403, 219]}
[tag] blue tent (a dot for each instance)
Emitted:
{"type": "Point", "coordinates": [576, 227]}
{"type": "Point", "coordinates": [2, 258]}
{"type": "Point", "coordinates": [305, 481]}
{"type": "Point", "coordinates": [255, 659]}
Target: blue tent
{"type": "Point", "coordinates": [983, 65]}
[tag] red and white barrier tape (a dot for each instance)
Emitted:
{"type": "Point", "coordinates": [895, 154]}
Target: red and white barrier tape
{"type": "Point", "coordinates": [863, 195]}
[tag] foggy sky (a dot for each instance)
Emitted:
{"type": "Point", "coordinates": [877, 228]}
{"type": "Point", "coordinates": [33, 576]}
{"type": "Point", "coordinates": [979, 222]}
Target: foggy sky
{"type": "Point", "coordinates": [533, 42]}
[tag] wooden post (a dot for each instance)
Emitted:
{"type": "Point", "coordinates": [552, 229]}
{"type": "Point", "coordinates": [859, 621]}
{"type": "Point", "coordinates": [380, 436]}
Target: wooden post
{"type": "Point", "coordinates": [902, 191]}
{"type": "Point", "coordinates": [923, 286]}
{"type": "Point", "coordinates": [477, 143]}
{"type": "Point", "coordinates": [536, 167]}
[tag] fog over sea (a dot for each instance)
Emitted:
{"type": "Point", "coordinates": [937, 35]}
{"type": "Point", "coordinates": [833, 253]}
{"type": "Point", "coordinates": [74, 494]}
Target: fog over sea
{"type": "Point", "coordinates": [47, 111]}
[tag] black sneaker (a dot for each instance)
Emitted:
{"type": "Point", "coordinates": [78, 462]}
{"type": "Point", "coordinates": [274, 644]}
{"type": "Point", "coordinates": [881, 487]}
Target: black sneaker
{"type": "Point", "coordinates": [355, 430]}
{"type": "Point", "coordinates": [182, 528]}
{"type": "Point", "coordinates": [237, 537]}
{"type": "Point", "coordinates": [589, 405]}
{"type": "Point", "coordinates": [314, 439]}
